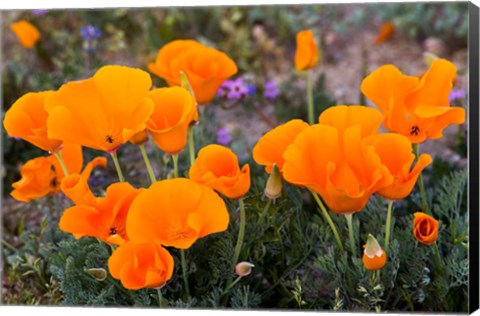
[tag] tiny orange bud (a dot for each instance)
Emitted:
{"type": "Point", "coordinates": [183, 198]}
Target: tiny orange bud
{"type": "Point", "coordinates": [425, 228]}
{"type": "Point", "coordinates": [374, 258]}
{"type": "Point", "coordinates": [244, 268]}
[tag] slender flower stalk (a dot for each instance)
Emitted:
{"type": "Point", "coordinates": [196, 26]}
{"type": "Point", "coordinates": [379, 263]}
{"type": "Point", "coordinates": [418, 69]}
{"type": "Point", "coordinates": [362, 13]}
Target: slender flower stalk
{"type": "Point", "coordinates": [265, 210]}
{"type": "Point", "coordinates": [160, 297]}
{"type": "Point", "coordinates": [191, 145]}
{"type": "Point", "coordinates": [241, 233]}
{"type": "Point", "coordinates": [117, 166]}
{"type": "Point", "coordinates": [184, 271]}
{"type": "Point", "coordinates": [58, 154]}
{"type": "Point", "coordinates": [151, 174]}
{"type": "Point", "coordinates": [232, 285]}
{"type": "Point", "coordinates": [423, 194]}
{"type": "Point", "coordinates": [329, 220]}
{"type": "Point", "coordinates": [350, 233]}
{"type": "Point", "coordinates": [175, 165]}
{"type": "Point", "coordinates": [311, 118]}
{"type": "Point", "coordinates": [388, 224]}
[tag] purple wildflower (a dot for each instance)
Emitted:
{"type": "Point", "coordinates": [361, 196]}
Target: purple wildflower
{"type": "Point", "coordinates": [270, 90]}
{"type": "Point", "coordinates": [223, 137]}
{"type": "Point", "coordinates": [39, 12]}
{"type": "Point", "coordinates": [90, 33]}
{"type": "Point", "coordinates": [234, 89]}
{"type": "Point", "coordinates": [456, 95]}
{"type": "Point", "coordinates": [252, 89]}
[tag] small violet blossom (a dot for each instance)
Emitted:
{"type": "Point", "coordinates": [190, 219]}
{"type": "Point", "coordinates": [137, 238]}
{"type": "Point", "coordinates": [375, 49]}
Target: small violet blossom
{"type": "Point", "coordinates": [270, 90]}
{"type": "Point", "coordinates": [90, 33]}
{"type": "Point", "coordinates": [456, 95]}
{"type": "Point", "coordinates": [223, 136]}
{"type": "Point", "coordinates": [234, 89]}
{"type": "Point", "coordinates": [39, 12]}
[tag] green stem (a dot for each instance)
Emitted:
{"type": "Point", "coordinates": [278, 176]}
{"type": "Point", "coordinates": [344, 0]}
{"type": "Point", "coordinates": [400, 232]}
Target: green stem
{"type": "Point", "coordinates": [160, 297]}
{"type": "Point", "coordinates": [191, 145]}
{"type": "Point", "coordinates": [241, 233]}
{"type": "Point", "coordinates": [328, 219]}
{"type": "Point", "coordinates": [231, 285]}
{"type": "Point", "coordinates": [423, 194]}
{"type": "Point", "coordinates": [388, 224]}
{"type": "Point", "coordinates": [175, 165]}
{"type": "Point", "coordinates": [117, 166]}
{"type": "Point", "coordinates": [58, 154]}
{"type": "Point", "coordinates": [184, 271]}
{"type": "Point", "coordinates": [311, 118]}
{"type": "Point", "coordinates": [349, 218]}
{"type": "Point", "coordinates": [151, 174]}
{"type": "Point", "coordinates": [8, 245]}
{"type": "Point", "coordinates": [438, 258]}
{"type": "Point", "coordinates": [265, 210]}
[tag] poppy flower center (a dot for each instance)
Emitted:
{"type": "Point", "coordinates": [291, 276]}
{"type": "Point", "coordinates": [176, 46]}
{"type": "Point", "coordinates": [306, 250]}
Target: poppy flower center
{"type": "Point", "coordinates": [112, 231]}
{"type": "Point", "coordinates": [177, 231]}
{"type": "Point", "coordinates": [414, 130]}
{"type": "Point", "coordinates": [109, 139]}
{"type": "Point", "coordinates": [424, 228]}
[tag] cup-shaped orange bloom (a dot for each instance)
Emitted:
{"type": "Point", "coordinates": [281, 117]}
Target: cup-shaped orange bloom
{"type": "Point", "coordinates": [395, 152]}
{"type": "Point", "coordinates": [43, 175]}
{"type": "Point", "coordinates": [138, 266]}
{"type": "Point", "coordinates": [385, 32]}
{"type": "Point", "coordinates": [374, 257]}
{"type": "Point", "coordinates": [101, 112]}
{"type": "Point", "coordinates": [105, 219]}
{"type": "Point", "coordinates": [270, 147]}
{"type": "Point", "coordinates": [76, 188]}
{"type": "Point", "coordinates": [416, 108]}
{"type": "Point", "coordinates": [217, 167]}
{"type": "Point", "coordinates": [306, 54]}
{"type": "Point", "coordinates": [344, 170]}
{"type": "Point", "coordinates": [425, 228]}
{"type": "Point", "coordinates": [27, 119]}
{"type": "Point", "coordinates": [176, 212]}
{"type": "Point", "coordinates": [206, 68]}
{"type": "Point", "coordinates": [174, 110]}
{"type": "Point", "coordinates": [26, 32]}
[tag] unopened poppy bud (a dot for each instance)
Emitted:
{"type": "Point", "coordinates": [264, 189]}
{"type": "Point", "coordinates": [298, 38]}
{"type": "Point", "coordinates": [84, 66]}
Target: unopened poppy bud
{"type": "Point", "coordinates": [273, 189]}
{"type": "Point", "coordinates": [243, 268]}
{"type": "Point", "coordinates": [428, 58]}
{"type": "Point", "coordinates": [139, 138]}
{"type": "Point", "coordinates": [98, 274]}
{"type": "Point", "coordinates": [374, 258]}
{"type": "Point", "coordinates": [425, 228]}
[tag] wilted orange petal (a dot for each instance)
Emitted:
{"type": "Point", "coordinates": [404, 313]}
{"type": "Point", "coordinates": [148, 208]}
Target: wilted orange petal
{"type": "Point", "coordinates": [96, 162]}
{"type": "Point", "coordinates": [76, 188]}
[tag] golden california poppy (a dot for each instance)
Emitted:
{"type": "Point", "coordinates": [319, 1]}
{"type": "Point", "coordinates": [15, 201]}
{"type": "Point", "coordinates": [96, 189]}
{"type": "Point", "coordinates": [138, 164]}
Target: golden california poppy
{"type": "Point", "coordinates": [206, 68]}
{"type": "Point", "coordinates": [395, 152]}
{"type": "Point", "coordinates": [174, 111]}
{"type": "Point", "coordinates": [345, 171]}
{"type": "Point", "coordinates": [416, 108]}
{"type": "Point", "coordinates": [105, 219]}
{"type": "Point", "coordinates": [270, 147]}
{"type": "Point", "coordinates": [425, 228]}
{"type": "Point", "coordinates": [27, 119]}
{"type": "Point", "coordinates": [306, 54]}
{"type": "Point", "coordinates": [43, 175]}
{"type": "Point", "coordinates": [26, 32]}
{"type": "Point", "coordinates": [217, 167]}
{"type": "Point", "coordinates": [76, 188]}
{"type": "Point", "coordinates": [385, 32]}
{"type": "Point", "coordinates": [101, 112]}
{"type": "Point", "coordinates": [374, 257]}
{"type": "Point", "coordinates": [175, 213]}
{"type": "Point", "coordinates": [137, 266]}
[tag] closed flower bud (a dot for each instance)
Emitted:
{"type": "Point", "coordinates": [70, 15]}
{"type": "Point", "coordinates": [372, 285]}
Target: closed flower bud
{"type": "Point", "coordinates": [273, 189]}
{"type": "Point", "coordinates": [243, 268]}
{"type": "Point", "coordinates": [374, 258]}
{"type": "Point", "coordinates": [98, 274]}
{"type": "Point", "coordinates": [425, 228]}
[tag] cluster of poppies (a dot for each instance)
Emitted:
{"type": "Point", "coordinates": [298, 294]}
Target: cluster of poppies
{"type": "Point", "coordinates": [342, 158]}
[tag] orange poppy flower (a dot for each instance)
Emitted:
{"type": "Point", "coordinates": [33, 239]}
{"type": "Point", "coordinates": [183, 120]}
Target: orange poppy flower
{"type": "Point", "coordinates": [217, 167]}
{"type": "Point", "coordinates": [306, 55]}
{"type": "Point", "coordinates": [395, 152]}
{"type": "Point", "coordinates": [425, 228]}
{"type": "Point", "coordinates": [26, 32]}
{"type": "Point", "coordinates": [140, 266]}
{"type": "Point", "coordinates": [206, 68]}
{"type": "Point", "coordinates": [385, 32]}
{"type": "Point", "coordinates": [374, 257]}
{"type": "Point", "coordinates": [43, 175]}
{"type": "Point", "coordinates": [139, 138]}
{"type": "Point", "coordinates": [76, 188]}
{"type": "Point", "coordinates": [27, 119]}
{"type": "Point", "coordinates": [102, 112]}
{"type": "Point", "coordinates": [345, 171]}
{"type": "Point", "coordinates": [270, 147]}
{"type": "Point", "coordinates": [174, 111]}
{"type": "Point", "coordinates": [416, 108]}
{"type": "Point", "coordinates": [175, 213]}
{"type": "Point", "coordinates": [105, 219]}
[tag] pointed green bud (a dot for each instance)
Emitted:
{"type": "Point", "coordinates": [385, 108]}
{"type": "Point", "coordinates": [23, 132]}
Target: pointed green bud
{"type": "Point", "coordinates": [273, 189]}
{"type": "Point", "coordinates": [244, 268]}
{"type": "Point", "coordinates": [98, 274]}
{"type": "Point", "coordinates": [372, 248]}
{"type": "Point", "coordinates": [186, 84]}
